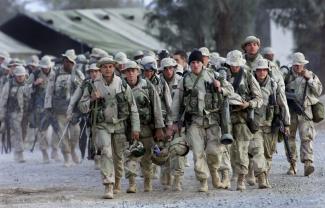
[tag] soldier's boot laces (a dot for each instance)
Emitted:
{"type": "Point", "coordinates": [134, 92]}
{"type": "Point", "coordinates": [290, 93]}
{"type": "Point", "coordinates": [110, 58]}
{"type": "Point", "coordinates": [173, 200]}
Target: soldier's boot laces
{"type": "Point", "coordinates": [262, 183]}
{"type": "Point", "coordinates": [241, 182]}
{"type": "Point", "coordinates": [177, 185]}
{"type": "Point", "coordinates": [132, 185]}
{"type": "Point", "coordinates": [169, 183]}
{"type": "Point", "coordinates": [250, 177]}
{"type": "Point", "coordinates": [147, 184]}
{"type": "Point", "coordinates": [45, 156]}
{"type": "Point", "coordinates": [225, 179]}
{"type": "Point", "coordinates": [19, 157]}
{"type": "Point", "coordinates": [203, 185]}
{"type": "Point", "coordinates": [292, 170]}
{"type": "Point", "coordinates": [216, 180]}
{"type": "Point", "coordinates": [117, 186]}
{"type": "Point", "coordinates": [55, 155]}
{"type": "Point", "coordinates": [75, 157]}
{"type": "Point", "coordinates": [67, 160]}
{"type": "Point", "coordinates": [108, 191]}
{"type": "Point", "coordinates": [309, 168]}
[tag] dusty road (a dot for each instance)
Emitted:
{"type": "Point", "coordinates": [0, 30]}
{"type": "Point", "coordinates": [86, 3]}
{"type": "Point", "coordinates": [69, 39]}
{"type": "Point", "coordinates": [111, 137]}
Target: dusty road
{"type": "Point", "coordinates": [34, 184]}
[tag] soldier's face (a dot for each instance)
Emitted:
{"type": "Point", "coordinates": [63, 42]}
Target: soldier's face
{"type": "Point", "coordinates": [261, 74]}
{"type": "Point", "coordinates": [298, 68]}
{"type": "Point", "coordinates": [234, 69]}
{"type": "Point", "coordinates": [179, 60]}
{"type": "Point", "coordinates": [269, 57]}
{"type": "Point", "coordinates": [196, 67]}
{"type": "Point", "coordinates": [252, 48]}
{"type": "Point", "coordinates": [20, 78]}
{"type": "Point", "coordinates": [131, 76]}
{"type": "Point", "coordinates": [67, 65]}
{"type": "Point", "coordinates": [168, 72]}
{"type": "Point", "coordinates": [93, 74]}
{"type": "Point", "coordinates": [46, 70]}
{"type": "Point", "coordinates": [107, 70]}
{"type": "Point", "coordinates": [148, 73]}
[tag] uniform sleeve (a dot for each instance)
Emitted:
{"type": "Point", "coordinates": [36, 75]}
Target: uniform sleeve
{"type": "Point", "coordinates": [74, 99]}
{"type": "Point", "coordinates": [134, 114]}
{"type": "Point", "coordinates": [173, 116]}
{"type": "Point", "coordinates": [4, 100]}
{"type": "Point", "coordinates": [315, 85]}
{"type": "Point", "coordinates": [168, 97]}
{"type": "Point", "coordinates": [156, 108]}
{"type": "Point", "coordinates": [226, 88]}
{"type": "Point", "coordinates": [49, 92]}
{"type": "Point", "coordinates": [256, 94]}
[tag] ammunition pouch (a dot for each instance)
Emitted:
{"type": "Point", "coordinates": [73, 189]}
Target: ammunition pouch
{"type": "Point", "coordinates": [252, 121]}
{"type": "Point", "coordinates": [318, 112]}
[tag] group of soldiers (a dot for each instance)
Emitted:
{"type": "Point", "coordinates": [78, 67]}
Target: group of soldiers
{"type": "Point", "coordinates": [150, 110]}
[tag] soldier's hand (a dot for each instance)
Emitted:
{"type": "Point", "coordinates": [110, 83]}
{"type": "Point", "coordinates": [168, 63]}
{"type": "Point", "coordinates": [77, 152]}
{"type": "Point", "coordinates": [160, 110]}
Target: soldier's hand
{"type": "Point", "coordinates": [95, 95]}
{"type": "Point", "coordinates": [307, 74]}
{"type": "Point", "coordinates": [217, 85]}
{"type": "Point", "coordinates": [170, 131]}
{"type": "Point", "coordinates": [39, 81]}
{"type": "Point", "coordinates": [159, 135]}
{"type": "Point", "coordinates": [244, 105]}
{"type": "Point", "coordinates": [287, 130]}
{"type": "Point", "coordinates": [135, 135]}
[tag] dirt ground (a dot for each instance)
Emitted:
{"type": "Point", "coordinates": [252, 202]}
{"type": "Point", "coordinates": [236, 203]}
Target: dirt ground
{"type": "Point", "coordinates": [33, 184]}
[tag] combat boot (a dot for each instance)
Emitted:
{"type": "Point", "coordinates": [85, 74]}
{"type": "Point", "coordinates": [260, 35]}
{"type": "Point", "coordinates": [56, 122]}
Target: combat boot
{"type": "Point", "coordinates": [203, 185]}
{"type": "Point", "coordinates": [177, 184]}
{"type": "Point", "coordinates": [147, 184]}
{"type": "Point", "coordinates": [309, 168]}
{"type": "Point", "coordinates": [216, 180]}
{"type": "Point", "coordinates": [108, 191]}
{"type": "Point", "coordinates": [292, 170]}
{"type": "Point", "coordinates": [117, 186]}
{"type": "Point", "coordinates": [19, 157]}
{"type": "Point", "coordinates": [75, 157]}
{"type": "Point", "coordinates": [169, 181]}
{"type": "Point", "coordinates": [55, 155]}
{"type": "Point", "coordinates": [67, 160]}
{"type": "Point", "coordinates": [241, 182]}
{"type": "Point", "coordinates": [132, 185]}
{"type": "Point", "coordinates": [250, 177]}
{"type": "Point", "coordinates": [262, 184]}
{"type": "Point", "coordinates": [46, 159]}
{"type": "Point", "coordinates": [225, 181]}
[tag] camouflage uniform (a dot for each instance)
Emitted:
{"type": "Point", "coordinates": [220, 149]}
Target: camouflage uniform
{"type": "Point", "coordinates": [117, 105]}
{"type": "Point", "coordinates": [60, 88]}
{"type": "Point", "coordinates": [200, 103]}
{"type": "Point", "coordinates": [312, 87]}
{"type": "Point", "coordinates": [14, 99]}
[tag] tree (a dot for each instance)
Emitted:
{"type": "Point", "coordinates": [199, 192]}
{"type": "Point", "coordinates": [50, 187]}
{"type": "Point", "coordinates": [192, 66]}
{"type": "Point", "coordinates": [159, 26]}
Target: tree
{"type": "Point", "coordinates": [307, 20]}
{"type": "Point", "coordinates": [220, 25]}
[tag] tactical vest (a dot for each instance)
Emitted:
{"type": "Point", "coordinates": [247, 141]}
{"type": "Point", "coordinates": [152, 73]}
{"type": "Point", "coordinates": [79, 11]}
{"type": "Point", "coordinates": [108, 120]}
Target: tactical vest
{"type": "Point", "coordinates": [142, 95]}
{"type": "Point", "coordinates": [160, 88]}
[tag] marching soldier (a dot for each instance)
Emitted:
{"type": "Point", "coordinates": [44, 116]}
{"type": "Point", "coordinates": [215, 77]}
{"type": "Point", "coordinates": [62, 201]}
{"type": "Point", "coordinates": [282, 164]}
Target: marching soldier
{"type": "Point", "coordinates": [115, 104]}
{"type": "Point", "coordinates": [306, 88]}
{"type": "Point", "coordinates": [198, 96]}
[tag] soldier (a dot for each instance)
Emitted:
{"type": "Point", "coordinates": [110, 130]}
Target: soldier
{"type": "Point", "coordinates": [96, 54]}
{"type": "Point", "coordinates": [117, 104]}
{"type": "Point", "coordinates": [306, 87]}
{"type": "Point", "coordinates": [137, 56]}
{"type": "Point", "coordinates": [32, 64]}
{"type": "Point", "coordinates": [274, 104]}
{"type": "Point", "coordinates": [246, 86]}
{"type": "Point", "coordinates": [268, 54]}
{"type": "Point", "coordinates": [60, 88]}
{"type": "Point", "coordinates": [163, 53]}
{"type": "Point", "coordinates": [181, 59]}
{"type": "Point", "coordinates": [199, 94]}
{"type": "Point", "coordinates": [216, 60]}
{"type": "Point", "coordinates": [121, 60]}
{"type": "Point", "coordinates": [15, 95]}
{"type": "Point", "coordinates": [151, 120]}
{"type": "Point", "coordinates": [150, 68]}
{"type": "Point", "coordinates": [37, 118]}
{"type": "Point", "coordinates": [176, 165]}
{"type": "Point", "coordinates": [206, 56]}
